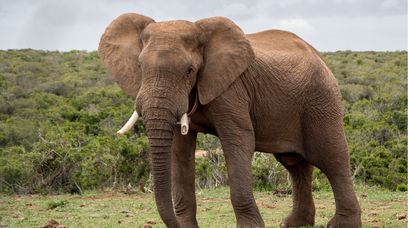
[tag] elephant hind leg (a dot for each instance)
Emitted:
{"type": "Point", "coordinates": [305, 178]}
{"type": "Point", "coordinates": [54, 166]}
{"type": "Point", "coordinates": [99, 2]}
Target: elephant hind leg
{"type": "Point", "coordinates": [326, 148]}
{"type": "Point", "coordinates": [337, 170]}
{"type": "Point", "coordinates": [303, 211]}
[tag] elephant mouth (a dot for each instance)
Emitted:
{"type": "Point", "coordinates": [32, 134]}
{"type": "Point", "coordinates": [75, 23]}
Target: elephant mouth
{"type": "Point", "coordinates": [184, 124]}
{"type": "Point", "coordinates": [184, 120]}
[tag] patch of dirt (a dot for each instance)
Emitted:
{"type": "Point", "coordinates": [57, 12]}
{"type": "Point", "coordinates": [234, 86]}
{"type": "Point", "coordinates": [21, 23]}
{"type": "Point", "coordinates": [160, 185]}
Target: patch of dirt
{"type": "Point", "coordinates": [265, 205]}
{"type": "Point", "coordinates": [149, 224]}
{"type": "Point", "coordinates": [211, 200]}
{"type": "Point", "coordinates": [320, 206]}
{"type": "Point", "coordinates": [373, 213]}
{"type": "Point", "coordinates": [370, 221]}
{"type": "Point", "coordinates": [128, 214]}
{"type": "Point", "coordinates": [282, 193]}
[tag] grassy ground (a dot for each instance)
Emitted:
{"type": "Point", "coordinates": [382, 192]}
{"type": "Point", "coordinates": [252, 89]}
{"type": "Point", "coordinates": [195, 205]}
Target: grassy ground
{"type": "Point", "coordinates": [112, 209]}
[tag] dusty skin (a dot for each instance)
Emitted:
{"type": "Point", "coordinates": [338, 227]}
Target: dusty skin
{"type": "Point", "coordinates": [269, 91]}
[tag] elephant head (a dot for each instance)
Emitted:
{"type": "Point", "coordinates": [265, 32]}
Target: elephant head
{"type": "Point", "coordinates": [161, 64]}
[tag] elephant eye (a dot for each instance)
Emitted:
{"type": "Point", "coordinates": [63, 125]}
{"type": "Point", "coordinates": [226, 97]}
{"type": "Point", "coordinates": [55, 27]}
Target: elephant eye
{"type": "Point", "coordinates": [190, 71]}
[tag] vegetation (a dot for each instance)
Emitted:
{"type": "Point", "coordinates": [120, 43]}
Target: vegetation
{"type": "Point", "coordinates": [380, 208]}
{"type": "Point", "coordinates": [59, 112]}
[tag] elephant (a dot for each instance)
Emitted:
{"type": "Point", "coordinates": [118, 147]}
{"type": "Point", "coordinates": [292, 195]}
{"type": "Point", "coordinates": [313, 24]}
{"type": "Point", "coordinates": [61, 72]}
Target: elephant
{"type": "Point", "coordinates": [268, 91]}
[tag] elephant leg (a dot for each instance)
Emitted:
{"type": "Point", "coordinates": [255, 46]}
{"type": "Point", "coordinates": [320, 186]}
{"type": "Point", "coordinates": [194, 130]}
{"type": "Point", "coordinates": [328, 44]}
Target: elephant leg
{"type": "Point", "coordinates": [303, 211]}
{"type": "Point", "coordinates": [238, 159]}
{"type": "Point", "coordinates": [326, 148]}
{"type": "Point", "coordinates": [238, 145]}
{"type": "Point", "coordinates": [348, 212]}
{"type": "Point", "coordinates": [183, 178]}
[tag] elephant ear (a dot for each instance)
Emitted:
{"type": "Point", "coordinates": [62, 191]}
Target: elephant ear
{"type": "Point", "coordinates": [227, 54]}
{"type": "Point", "coordinates": [119, 50]}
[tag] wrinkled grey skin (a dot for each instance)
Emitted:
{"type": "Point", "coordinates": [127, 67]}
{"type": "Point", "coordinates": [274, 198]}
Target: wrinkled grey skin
{"type": "Point", "coordinates": [268, 91]}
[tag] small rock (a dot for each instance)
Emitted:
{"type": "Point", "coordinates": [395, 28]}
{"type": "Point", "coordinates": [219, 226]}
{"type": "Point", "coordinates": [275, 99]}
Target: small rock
{"type": "Point", "coordinates": [29, 204]}
{"type": "Point", "coordinates": [147, 226]}
{"type": "Point", "coordinates": [82, 205]}
{"type": "Point", "coordinates": [151, 222]}
{"type": "Point", "coordinates": [401, 216]}
{"type": "Point", "coordinates": [52, 224]}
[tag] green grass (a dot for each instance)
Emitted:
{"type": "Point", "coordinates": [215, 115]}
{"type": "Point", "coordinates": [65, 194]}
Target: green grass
{"type": "Point", "coordinates": [113, 209]}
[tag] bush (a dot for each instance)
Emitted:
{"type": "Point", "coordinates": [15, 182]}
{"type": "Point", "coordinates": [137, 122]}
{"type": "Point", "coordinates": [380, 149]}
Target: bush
{"type": "Point", "coordinates": [402, 188]}
{"type": "Point", "coordinates": [54, 204]}
{"type": "Point", "coordinates": [59, 112]}
{"type": "Point", "coordinates": [269, 174]}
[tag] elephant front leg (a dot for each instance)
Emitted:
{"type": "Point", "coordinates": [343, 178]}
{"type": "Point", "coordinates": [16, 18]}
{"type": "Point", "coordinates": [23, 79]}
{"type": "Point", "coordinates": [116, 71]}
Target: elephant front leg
{"type": "Point", "coordinates": [238, 158]}
{"type": "Point", "coordinates": [238, 145]}
{"type": "Point", "coordinates": [183, 177]}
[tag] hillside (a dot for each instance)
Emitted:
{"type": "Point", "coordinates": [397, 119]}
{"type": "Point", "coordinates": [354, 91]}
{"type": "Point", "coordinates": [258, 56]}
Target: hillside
{"type": "Point", "coordinates": [59, 112]}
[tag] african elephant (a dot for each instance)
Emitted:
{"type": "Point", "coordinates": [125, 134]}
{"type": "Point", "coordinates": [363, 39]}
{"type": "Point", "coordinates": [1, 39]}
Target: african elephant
{"type": "Point", "coordinates": [268, 91]}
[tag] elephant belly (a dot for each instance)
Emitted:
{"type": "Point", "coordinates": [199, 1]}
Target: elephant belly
{"type": "Point", "coordinates": [278, 131]}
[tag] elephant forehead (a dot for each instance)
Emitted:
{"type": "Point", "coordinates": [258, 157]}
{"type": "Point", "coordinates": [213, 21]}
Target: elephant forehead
{"type": "Point", "coordinates": [179, 28]}
{"type": "Point", "coordinates": [174, 26]}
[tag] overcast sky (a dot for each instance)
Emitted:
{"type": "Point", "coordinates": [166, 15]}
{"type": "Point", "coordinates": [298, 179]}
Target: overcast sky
{"type": "Point", "coordinates": [329, 25]}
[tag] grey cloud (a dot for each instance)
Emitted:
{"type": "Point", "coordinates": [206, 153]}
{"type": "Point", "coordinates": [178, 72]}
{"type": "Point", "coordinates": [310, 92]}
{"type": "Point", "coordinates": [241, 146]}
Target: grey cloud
{"type": "Point", "coordinates": [337, 8]}
{"type": "Point", "coordinates": [48, 24]}
{"type": "Point", "coordinates": [328, 25]}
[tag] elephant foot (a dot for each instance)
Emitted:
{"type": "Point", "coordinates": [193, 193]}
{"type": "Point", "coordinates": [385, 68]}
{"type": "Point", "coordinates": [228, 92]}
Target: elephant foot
{"type": "Point", "coordinates": [250, 223]}
{"type": "Point", "coordinates": [339, 220]}
{"type": "Point", "coordinates": [187, 222]}
{"type": "Point", "coordinates": [298, 219]}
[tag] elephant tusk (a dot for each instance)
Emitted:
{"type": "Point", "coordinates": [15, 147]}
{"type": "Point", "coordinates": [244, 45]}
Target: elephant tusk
{"type": "Point", "coordinates": [184, 122]}
{"type": "Point", "coordinates": [129, 124]}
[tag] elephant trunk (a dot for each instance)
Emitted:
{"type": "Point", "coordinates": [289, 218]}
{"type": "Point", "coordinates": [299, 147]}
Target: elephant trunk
{"type": "Point", "coordinates": [160, 124]}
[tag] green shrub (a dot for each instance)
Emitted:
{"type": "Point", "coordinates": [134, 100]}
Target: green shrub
{"type": "Point", "coordinates": [59, 112]}
{"type": "Point", "coordinates": [268, 174]}
{"type": "Point", "coordinates": [402, 188]}
{"type": "Point", "coordinates": [54, 204]}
